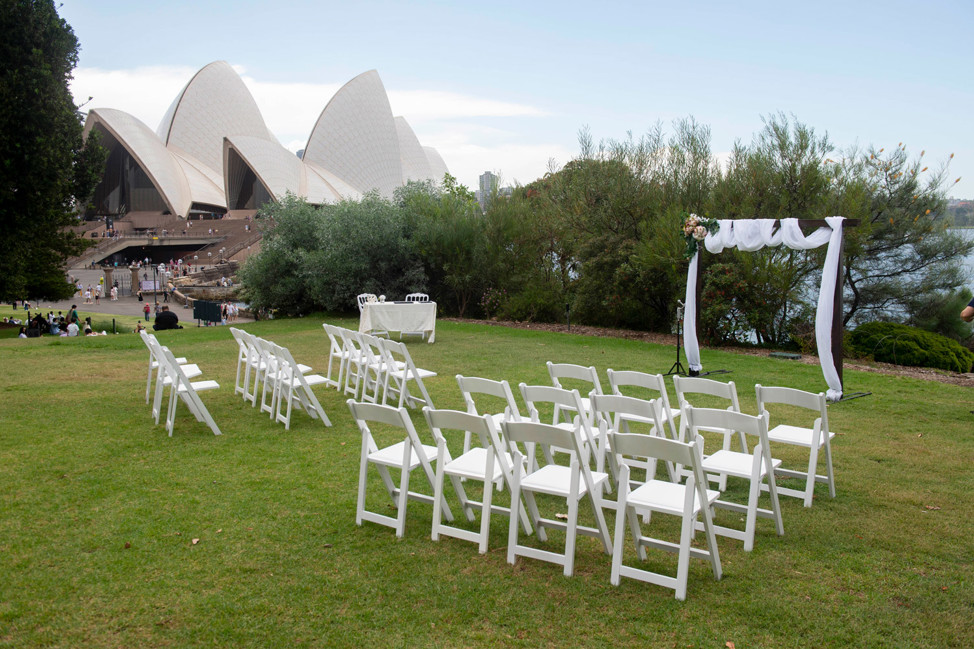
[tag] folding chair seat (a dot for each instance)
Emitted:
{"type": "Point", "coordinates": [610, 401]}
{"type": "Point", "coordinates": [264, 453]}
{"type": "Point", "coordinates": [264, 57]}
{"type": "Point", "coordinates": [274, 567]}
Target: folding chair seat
{"type": "Point", "coordinates": [687, 501]}
{"type": "Point", "coordinates": [563, 400]}
{"type": "Point", "coordinates": [815, 439]}
{"type": "Point", "coordinates": [295, 389]}
{"type": "Point", "coordinates": [405, 455]}
{"type": "Point", "coordinates": [587, 377]}
{"type": "Point", "coordinates": [336, 351]}
{"type": "Point", "coordinates": [757, 467]}
{"type": "Point", "coordinates": [184, 389]}
{"type": "Point", "coordinates": [705, 393]}
{"type": "Point", "coordinates": [615, 413]}
{"type": "Point", "coordinates": [574, 483]}
{"type": "Point", "coordinates": [643, 382]}
{"type": "Point", "coordinates": [154, 363]}
{"type": "Point", "coordinates": [499, 393]}
{"type": "Point", "coordinates": [489, 462]}
{"type": "Point", "coordinates": [400, 370]}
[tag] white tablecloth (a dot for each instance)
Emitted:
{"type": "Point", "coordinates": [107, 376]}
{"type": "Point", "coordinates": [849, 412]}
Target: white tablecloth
{"type": "Point", "coordinates": [389, 316]}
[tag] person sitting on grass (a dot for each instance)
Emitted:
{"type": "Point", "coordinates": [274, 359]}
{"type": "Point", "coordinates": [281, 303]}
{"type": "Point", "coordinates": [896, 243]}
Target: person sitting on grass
{"type": "Point", "coordinates": [166, 319]}
{"type": "Point", "coordinates": [73, 327]}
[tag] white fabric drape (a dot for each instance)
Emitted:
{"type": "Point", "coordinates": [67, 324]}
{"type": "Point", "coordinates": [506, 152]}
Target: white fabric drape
{"type": "Point", "coordinates": [753, 234]}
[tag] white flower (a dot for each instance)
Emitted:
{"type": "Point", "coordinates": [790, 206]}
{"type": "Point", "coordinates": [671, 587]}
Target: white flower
{"type": "Point", "coordinates": [700, 233]}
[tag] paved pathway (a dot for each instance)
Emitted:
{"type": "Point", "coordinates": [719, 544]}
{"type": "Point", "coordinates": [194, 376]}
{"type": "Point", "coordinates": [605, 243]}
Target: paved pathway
{"type": "Point", "coordinates": [125, 305]}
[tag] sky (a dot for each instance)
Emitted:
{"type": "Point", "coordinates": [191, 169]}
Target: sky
{"type": "Point", "coordinates": [506, 86]}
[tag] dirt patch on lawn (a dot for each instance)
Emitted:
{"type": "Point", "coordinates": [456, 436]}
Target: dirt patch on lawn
{"type": "Point", "coordinates": [924, 373]}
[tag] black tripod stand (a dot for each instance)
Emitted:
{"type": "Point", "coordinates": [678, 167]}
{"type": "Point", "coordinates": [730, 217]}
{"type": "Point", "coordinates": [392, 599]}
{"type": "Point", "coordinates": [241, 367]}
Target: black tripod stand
{"type": "Point", "coordinates": [677, 366]}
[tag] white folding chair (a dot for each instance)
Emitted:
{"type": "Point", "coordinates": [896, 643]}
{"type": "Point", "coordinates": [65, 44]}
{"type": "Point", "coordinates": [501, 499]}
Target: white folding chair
{"type": "Point", "coordinates": [372, 367]}
{"type": "Point", "coordinates": [295, 388]}
{"type": "Point", "coordinates": [153, 363]}
{"type": "Point", "coordinates": [499, 393]}
{"type": "Point", "coordinates": [656, 387]}
{"type": "Point", "coordinates": [757, 467]}
{"type": "Point", "coordinates": [163, 377]}
{"type": "Point", "coordinates": [184, 389]}
{"type": "Point", "coordinates": [243, 356]}
{"type": "Point", "coordinates": [615, 413]}
{"type": "Point", "coordinates": [399, 371]}
{"type": "Point", "coordinates": [254, 369]}
{"type": "Point", "coordinates": [708, 393]}
{"type": "Point", "coordinates": [815, 439]}
{"type": "Point", "coordinates": [336, 351]}
{"type": "Point", "coordinates": [357, 358]}
{"type": "Point", "coordinates": [364, 298]}
{"type": "Point", "coordinates": [417, 297]}
{"type": "Point", "coordinates": [404, 455]}
{"type": "Point", "coordinates": [588, 377]}
{"type": "Point", "coordinates": [687, 501]}
{"type": "Point", "coordinates": [567, 401]}
{"type": "Point", "coordinates": [573, 482]}
{"type": "Point", "coordinates": [488, 462]}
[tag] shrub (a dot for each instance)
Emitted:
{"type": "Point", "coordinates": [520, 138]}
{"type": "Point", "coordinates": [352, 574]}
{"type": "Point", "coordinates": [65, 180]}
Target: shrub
{"type": "Point", "coordinates": [905, 345]}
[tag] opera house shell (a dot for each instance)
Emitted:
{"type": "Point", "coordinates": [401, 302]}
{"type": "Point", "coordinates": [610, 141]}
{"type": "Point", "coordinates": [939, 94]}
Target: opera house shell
{"type": "Point", "coordinates": [213, 153]}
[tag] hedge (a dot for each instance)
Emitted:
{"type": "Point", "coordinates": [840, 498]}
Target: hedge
{"type": "Point", "coordinates": [904, 345]}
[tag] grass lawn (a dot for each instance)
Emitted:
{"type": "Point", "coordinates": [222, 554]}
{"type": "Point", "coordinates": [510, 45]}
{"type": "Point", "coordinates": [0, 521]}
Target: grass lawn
{"type": "Point", "coordinates": [99, 510]}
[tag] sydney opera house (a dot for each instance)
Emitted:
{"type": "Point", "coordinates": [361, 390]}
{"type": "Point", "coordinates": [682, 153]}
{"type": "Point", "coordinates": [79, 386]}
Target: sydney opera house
{"type": "Point", "coordinates": [213, 155]}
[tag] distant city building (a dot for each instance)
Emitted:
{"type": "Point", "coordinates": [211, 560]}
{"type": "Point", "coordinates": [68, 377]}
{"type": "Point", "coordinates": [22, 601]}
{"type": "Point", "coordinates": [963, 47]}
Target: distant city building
{"type": "Point", "coordinates": [213, 153]}
{"type": "Point", "coordinates": [488, 188]}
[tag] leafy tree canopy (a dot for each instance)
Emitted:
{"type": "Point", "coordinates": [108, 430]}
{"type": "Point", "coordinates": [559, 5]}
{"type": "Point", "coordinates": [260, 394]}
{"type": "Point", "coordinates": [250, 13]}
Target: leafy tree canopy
{"type": "Point", "coordinates": [45, 165]}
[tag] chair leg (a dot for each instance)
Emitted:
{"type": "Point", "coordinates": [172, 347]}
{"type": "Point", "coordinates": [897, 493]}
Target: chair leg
{"type": "Point", "coordinates": [403, 490]}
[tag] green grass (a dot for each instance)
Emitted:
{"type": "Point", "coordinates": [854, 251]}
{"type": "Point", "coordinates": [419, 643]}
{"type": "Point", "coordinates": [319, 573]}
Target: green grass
{"type": "Point", "coordinates": [98, 510]}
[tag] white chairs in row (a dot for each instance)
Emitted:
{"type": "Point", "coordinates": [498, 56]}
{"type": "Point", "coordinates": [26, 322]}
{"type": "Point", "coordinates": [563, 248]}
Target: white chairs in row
{"type": "Point", "coordinates": [177, 377]}
{"type": "Point", "coordinates": [269, 369]}
{"type": "Point", "coordinates": [503, 449]}
{"type": "Point", "coordinates": [374, 370]}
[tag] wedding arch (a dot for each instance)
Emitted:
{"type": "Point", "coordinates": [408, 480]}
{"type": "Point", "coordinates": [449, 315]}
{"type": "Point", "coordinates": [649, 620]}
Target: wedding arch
{"type": "Point", "coordinates": [750, 235]}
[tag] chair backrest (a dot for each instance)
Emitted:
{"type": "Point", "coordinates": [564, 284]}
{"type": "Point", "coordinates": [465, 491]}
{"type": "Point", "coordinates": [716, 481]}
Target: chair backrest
{"type": "Point", "coordinates": [716, 419]}
{"type": "Point", "coordinates": [471, 385]}
{"type": "Point", "coordinates": [536, 394]}
{"type": "Point", "coordinates": [695, 385]}
{"type": "Point", "coordinates": [366, 413]}
{"type": "Point", "coordinates": [644, 446]}
{"type": "Point", "coordinates": [610, 410]}
{"type": "Point", "coordinates": [362, 298]}
{"type": "Point", "coordinates": [588, 375]}
{"type": "Point", "coordinates": [482, 427]}
{"type": "Point", "coordinates": [532, 433]}
{"type": "Point", "coordinates": [793, 397]}
{"type": "Point", "coordinates": [655, 383]}
{"type": "Point", "coordinates": [417, 297]}
{"type": "Point", "coordinates": [334, 337]}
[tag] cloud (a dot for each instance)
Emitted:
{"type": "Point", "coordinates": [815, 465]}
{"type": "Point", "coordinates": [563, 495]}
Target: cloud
{"type": "Point", "coordinates": [418, 105]}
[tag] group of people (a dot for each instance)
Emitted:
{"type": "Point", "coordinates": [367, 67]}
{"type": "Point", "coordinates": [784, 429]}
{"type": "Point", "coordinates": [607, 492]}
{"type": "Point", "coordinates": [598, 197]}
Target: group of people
{"type": "Point", "coordinates": [56, 325]}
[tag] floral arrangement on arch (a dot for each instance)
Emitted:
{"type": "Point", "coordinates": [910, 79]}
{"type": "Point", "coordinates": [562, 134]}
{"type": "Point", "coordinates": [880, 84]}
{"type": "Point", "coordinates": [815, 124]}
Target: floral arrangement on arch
{"type": "Point", "coordinates": [695, 229]}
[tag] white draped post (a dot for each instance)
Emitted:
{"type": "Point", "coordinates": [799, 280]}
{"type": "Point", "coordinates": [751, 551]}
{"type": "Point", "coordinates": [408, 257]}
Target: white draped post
{"type": "Point", "coordinates": [753, 234]}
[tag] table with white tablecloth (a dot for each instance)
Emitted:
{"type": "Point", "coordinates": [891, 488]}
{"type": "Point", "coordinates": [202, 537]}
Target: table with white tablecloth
{"type": "Point", "coordinates": [399, 316]}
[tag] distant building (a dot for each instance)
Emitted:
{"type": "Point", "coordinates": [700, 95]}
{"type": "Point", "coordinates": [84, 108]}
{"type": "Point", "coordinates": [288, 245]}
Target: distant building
{"type": "Point", "coordinates": [488, 188]}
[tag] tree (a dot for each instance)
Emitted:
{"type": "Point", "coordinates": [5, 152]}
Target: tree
{"type": "Point", "coordinates": [314, 258]}
{"type": "Point", "coordinates": [46, 168]}
{"type": "Point", "coordinates": [903, 253]}
{"type": "Point", "coordinates": [448, 231]}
